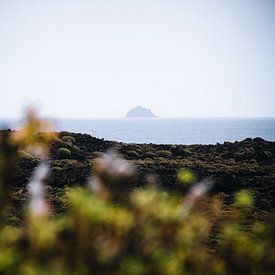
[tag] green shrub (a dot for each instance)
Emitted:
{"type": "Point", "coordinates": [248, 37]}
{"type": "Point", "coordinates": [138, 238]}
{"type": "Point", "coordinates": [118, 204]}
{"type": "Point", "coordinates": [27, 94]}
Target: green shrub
{"type": "Point", "coordinates": [133, 154]}
{"type": "Point", "coordinates": [150, 154]}
{"type": "Point", "coordinates": [56, 169]}
{"type": "Point", "coordinates": [186, 176]}
{"type": "Point", "coordinates": [69, 139]}
{"type": "Point", "coordinates": [64, 153]}
{"type": "Point", "coordinates": [163, 153]}
{"type": "Point", "coordinates": [59, 142]}
{"type": "Point", "coordinates": [75, 148]}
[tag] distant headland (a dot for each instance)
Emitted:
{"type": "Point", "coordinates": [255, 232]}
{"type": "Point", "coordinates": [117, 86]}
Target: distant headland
{"type": "Point", "coordinates": [140, 111]}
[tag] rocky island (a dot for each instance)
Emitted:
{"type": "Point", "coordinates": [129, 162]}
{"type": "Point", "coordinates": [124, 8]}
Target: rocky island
{"type": "Point", "coordinates": [140, 111]}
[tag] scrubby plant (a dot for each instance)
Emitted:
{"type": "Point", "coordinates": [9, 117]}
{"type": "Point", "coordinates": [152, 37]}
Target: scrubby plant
{"type": "Point", "coordinates": [186, 176]}
{"type": "Point", "coordinates": [133, 154]}
{"type": "Point", "coordinates": [150, 154]}
{"type": "Point", "coordinates": [163, 153]}
{"type": "Point", "coordinates": [69, 139]}
{"type": "Point", "coordinates": [64, 153]}
{"type": "Point", "coordinates": [56, 169]}
{"type": "Point", "coordinates": [76, 148]}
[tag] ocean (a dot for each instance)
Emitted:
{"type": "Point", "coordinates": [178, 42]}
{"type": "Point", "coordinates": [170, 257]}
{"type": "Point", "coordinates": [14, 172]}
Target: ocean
{"type": "Point", "coordinates": [166, 130]}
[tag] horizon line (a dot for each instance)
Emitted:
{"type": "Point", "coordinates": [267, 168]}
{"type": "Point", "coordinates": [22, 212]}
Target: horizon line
{"type": "Point", "coordinates": [157, 117]}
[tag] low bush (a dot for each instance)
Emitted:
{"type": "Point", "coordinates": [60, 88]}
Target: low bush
{"type": "Point", "coordinates": [56, 169]}
{"type": "Point", "coordinates": [163, 153]}
{"type": "Point", "coordinates": [150, 154]}
{"type": "Point", "coordinates": [64, 153]}
{"type": "Point", "coordinates": [76, 148]}
{"type": "Point", "coordinates": [133, 154]}
{"type": "Point", "coordinates": [69, 139]}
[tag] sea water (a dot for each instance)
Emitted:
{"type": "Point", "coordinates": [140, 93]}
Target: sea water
{"type": "Point", "coordinates": [166, 130]}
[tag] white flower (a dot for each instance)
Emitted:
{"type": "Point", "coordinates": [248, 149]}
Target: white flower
{"type": "Point", "coordinates": [112, 165]}
{"type": "Point", "coordinates": [38, 205]}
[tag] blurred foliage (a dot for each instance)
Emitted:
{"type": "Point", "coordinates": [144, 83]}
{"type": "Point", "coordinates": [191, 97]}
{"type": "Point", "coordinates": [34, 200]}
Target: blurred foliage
{"type": "Point", "coordinates": [244, 198]}
{"type": "Point", "coordinates": [110, 228]}
{"type": "Point", "coordinates": [186, 176]}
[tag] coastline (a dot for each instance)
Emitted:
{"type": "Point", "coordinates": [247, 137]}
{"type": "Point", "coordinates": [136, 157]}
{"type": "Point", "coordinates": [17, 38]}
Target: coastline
{"type": "Point", "coordinates": [165, 130]}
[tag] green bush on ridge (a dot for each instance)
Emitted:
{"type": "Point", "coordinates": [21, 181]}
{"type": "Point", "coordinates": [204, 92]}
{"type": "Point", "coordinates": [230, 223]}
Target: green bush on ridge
{"type": "Point", "coordinates": [133, 154]}
{"type": "Point", "coordinates": [69, 139]}
{"type": "Point", "coordinates": [163, 153]}
{"type": "Point", "coordinates": [64, 153]}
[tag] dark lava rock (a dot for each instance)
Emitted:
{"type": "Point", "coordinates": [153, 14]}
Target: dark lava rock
{"type": "Point", "coordinates": [232, 166]}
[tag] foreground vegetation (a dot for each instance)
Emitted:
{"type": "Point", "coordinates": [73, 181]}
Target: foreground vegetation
{"type": "Point", "coordinates": [109, 227]}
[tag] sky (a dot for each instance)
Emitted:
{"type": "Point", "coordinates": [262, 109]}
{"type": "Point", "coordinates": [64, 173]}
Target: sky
{"type": "Point", "coordinates": [100, 58]}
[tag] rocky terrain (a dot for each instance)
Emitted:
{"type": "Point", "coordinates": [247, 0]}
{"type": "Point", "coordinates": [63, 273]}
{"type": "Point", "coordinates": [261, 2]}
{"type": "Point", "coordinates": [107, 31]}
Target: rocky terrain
{"type": "Point", "coordinates": [231, 166]}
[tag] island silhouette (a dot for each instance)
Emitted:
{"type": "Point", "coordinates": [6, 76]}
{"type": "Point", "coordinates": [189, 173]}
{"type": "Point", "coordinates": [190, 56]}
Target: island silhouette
{"type": "Point", "coordinates": [140, 111]}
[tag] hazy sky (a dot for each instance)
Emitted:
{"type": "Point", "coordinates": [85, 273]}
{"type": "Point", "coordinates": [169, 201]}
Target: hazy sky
{"type": "Point", "coordinates": [101, 58]}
